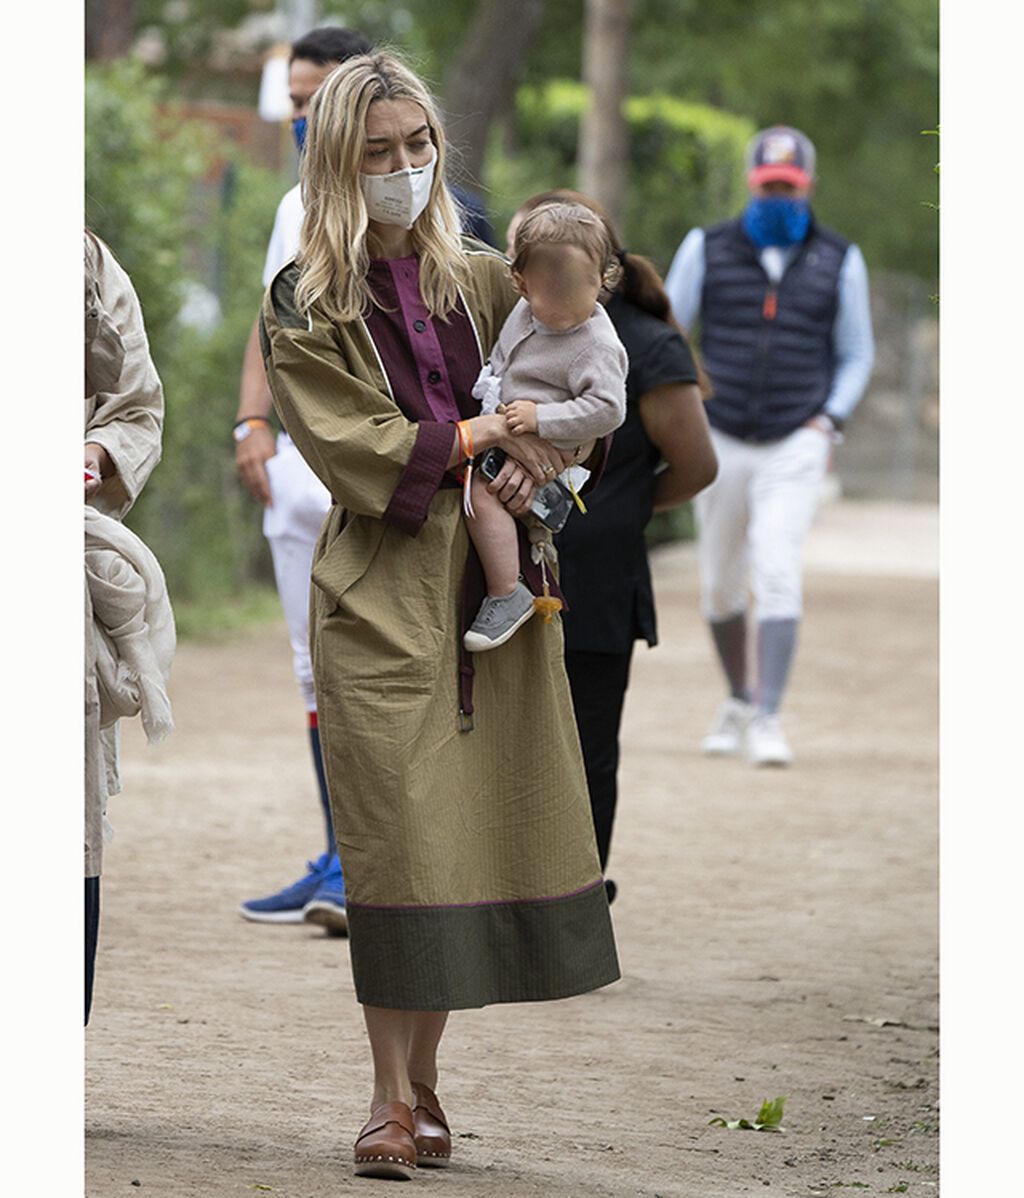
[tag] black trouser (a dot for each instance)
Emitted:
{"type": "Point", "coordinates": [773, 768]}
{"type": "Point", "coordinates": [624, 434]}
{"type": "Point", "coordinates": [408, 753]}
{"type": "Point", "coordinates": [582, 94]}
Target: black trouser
{"type": "Point", "coordinates": [598, 682]}
{"type": "Point", "coordinates": [92, 931]}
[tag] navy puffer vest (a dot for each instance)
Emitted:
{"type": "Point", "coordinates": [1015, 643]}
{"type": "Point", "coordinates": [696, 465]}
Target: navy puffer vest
{"type": "Point", "coordinates": [768, 348]}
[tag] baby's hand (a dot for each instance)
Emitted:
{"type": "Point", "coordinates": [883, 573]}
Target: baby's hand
{"type": "Point", "coordinates": [521, 415]}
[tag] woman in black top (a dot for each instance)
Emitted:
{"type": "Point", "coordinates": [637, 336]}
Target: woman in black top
{"type": "Point", "coordinates": [660, 457]}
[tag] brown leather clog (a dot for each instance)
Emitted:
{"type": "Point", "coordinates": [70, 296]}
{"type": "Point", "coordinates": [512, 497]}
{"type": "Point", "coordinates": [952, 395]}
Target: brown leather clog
{"type": "Point", "coordinates": [386, 1147]}
{"type": "Point", "coordinates": [433, 1139]}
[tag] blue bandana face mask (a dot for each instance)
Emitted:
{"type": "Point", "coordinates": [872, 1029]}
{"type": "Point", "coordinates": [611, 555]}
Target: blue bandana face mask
{"type": "Point", "coordinates": [299, 129]}
{"type": "Point", "coordinates": [776, 220]}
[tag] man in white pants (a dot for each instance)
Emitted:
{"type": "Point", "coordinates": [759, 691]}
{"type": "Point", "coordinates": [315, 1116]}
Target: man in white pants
{"type": "Point", "coordinates": [294, 499]}
{"type": "Point", "coordinates": [785, 332]}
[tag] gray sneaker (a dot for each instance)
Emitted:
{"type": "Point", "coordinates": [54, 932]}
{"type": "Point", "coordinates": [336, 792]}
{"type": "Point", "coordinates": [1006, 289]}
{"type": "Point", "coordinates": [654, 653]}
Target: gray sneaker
{"type": "Point", "coordinates": [498, 618]}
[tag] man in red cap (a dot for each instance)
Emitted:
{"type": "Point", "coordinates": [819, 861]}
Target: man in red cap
{"type": "Point", "coordinates": [785, 331]}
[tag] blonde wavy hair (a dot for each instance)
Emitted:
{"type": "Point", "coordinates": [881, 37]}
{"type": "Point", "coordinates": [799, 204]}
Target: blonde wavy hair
{"type": "Point", "coordinates": [335, 241]}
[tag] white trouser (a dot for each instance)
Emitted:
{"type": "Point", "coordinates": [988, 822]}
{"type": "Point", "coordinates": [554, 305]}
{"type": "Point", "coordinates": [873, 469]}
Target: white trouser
{"type": "Point", "coordinates": [752, 521]}
{"type": "Point", "coordinates": [299, 503]}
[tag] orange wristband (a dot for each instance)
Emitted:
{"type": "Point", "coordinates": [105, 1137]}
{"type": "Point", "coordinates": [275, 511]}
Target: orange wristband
{"type": "Point", "coordinates": [466, 447]}
{"type": "Point", "coordinates": [465, 439]}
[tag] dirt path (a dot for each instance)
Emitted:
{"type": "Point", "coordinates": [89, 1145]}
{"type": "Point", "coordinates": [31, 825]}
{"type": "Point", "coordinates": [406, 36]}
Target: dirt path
{"type": "Point", "coordinates": [777, 932]}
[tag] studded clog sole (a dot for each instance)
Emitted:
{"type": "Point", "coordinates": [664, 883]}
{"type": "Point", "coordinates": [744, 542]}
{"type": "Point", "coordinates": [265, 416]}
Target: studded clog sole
{"type": "Point", "coordinates": [386, 1146]}
{"type": "Point", "coordinates": [433, 1139]}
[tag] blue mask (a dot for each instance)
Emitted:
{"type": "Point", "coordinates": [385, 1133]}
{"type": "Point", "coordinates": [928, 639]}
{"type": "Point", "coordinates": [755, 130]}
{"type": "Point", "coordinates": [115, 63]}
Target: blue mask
{"type": "Point", "coordinates": [299, 129]}
{"type": "Point", "coordinates": [776, 220]}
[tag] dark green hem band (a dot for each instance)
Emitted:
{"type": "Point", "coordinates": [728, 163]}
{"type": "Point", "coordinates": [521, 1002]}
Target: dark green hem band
{"type": "Point", "coordinates": [452, 958]}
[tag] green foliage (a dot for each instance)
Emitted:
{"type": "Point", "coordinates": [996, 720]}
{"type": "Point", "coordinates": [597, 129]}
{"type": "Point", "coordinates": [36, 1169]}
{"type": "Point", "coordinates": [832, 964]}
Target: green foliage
{"type": "Point", "coordinates": [686, 162]}
{"type": "Point", "coordinates": [424, 32]}
{"type": "Point", "coordinates": [677, 524]}
{"type": "Point", "coordinates": [769, 1118]}
{"type": "Point", "coordinates": [188, 31]}
{"type": "Point", "coordinates": [860, 77]}
{"type": "Point", "coordinates": [140, 165]}
{"type": "Point", "coordinates": [178, 211]}
{"type": "Point", "coordinates": [214, 620]}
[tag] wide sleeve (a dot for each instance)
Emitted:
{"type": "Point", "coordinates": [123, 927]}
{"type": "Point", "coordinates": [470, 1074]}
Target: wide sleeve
{"type": "Point", "coordinates": [126, 417]}
{"type": "Point", "coordinates": [374, 460]}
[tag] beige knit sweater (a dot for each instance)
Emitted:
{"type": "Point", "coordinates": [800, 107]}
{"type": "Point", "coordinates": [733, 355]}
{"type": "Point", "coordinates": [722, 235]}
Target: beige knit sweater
{"type": "Point", "coordinates": [577, 377]}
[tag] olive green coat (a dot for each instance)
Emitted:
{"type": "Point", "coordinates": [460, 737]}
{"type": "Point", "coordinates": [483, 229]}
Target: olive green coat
{"type": "Point", "coordinates": [470, 863]}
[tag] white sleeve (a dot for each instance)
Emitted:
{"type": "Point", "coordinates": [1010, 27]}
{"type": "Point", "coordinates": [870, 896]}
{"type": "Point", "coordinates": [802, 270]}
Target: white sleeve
{"type": "Point", "coordinates": [284, 239]}
{"type": "Point", "coordinates": [853, 344]}
{"type": "Point", "coordinates": [684, 282]}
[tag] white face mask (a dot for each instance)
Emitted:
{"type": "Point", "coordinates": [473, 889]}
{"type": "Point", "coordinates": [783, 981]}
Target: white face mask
{"type": "Point", "coordinates": [399, 198]}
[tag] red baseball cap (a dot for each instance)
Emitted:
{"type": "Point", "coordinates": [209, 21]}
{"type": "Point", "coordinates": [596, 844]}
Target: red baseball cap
{"type": "Point", "coordinates": [780, 154]}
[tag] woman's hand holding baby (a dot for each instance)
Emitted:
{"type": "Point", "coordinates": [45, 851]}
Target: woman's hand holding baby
{"type": "Point", "coordinates": [537, 456]}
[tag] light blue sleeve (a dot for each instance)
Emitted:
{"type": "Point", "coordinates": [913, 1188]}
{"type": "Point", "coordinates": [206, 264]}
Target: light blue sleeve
{"type": "Point", "coordinates": [853, 344]}
{"type": "Point", "coordinates": [684, 282]}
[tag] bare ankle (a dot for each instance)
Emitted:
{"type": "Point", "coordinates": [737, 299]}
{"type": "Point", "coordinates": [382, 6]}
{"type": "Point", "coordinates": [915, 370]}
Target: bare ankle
{"type": "Point", "coordinates": [397, 1093]}
{"type": "Point", "coordinates": [424, 1077]}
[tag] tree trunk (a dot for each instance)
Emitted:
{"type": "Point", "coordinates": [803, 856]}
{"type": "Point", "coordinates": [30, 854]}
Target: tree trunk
{"type": "Point", "coordinates": [481, 82]}
{"type": "Point", "coordinates": [109, 28]}
{"type": "Point", "coordinates": [603, 156]}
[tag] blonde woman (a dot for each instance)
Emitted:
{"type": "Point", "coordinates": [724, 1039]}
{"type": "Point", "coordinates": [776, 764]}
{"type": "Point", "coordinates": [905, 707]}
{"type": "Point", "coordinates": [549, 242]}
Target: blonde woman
{"type": "Point", "coordinates": [459, 799]}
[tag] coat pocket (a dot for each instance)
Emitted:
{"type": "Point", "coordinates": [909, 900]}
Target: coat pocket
{"type": "Point", "coordinates": [343, 558]}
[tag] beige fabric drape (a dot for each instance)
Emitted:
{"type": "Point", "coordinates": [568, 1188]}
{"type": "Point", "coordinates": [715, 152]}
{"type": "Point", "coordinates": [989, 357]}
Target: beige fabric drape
{"type": "Point", "coordinates": [123, 413]}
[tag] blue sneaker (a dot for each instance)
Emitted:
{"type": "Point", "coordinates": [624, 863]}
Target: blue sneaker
{"type": "Point", "coordinates": [327, 906]}
{"type": "Point", "coordinates": [286, 906]}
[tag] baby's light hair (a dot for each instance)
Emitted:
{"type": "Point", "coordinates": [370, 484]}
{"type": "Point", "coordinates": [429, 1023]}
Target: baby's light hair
{"type": "Point", "coordinates": [566, 223]}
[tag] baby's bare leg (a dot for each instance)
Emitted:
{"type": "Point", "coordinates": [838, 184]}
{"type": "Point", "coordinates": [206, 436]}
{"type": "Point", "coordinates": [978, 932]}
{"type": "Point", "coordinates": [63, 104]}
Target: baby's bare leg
{"type": "Point", "coordinates": [493, 532]}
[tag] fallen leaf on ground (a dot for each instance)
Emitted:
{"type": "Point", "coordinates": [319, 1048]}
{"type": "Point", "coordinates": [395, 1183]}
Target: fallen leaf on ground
{"type": "Point", "coordinates": [769, 1118]}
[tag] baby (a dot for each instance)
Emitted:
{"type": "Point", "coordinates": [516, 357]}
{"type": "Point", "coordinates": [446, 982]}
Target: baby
{"type": "Point", "coordinates": [558, 347]}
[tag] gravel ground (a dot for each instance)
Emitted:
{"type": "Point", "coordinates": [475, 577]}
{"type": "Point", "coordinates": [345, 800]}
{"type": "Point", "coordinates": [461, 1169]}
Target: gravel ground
{"type": "Point", "coordinates": [777, 932]}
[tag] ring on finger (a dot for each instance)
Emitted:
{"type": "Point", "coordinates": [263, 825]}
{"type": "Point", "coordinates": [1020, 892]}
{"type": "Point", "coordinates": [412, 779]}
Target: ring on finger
{"type": "Point", "coordinates": [548, 468]}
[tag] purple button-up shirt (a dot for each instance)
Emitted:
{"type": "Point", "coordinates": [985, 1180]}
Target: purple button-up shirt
{"type": "Point", "coordinates": [430, 366]}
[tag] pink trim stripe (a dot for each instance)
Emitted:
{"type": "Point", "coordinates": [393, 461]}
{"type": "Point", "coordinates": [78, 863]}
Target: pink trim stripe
{"type": "Point", "coordinates": [548, 898]}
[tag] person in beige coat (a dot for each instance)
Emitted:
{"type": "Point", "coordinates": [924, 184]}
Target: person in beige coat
{"type": "Point", "coordinates": [129, 629]}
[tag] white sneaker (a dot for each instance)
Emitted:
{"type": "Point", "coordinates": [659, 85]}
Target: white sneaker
{"type": "Point", "coordinates": [729, 729]}
{"type": "Point", "coordinates": [765, 743]}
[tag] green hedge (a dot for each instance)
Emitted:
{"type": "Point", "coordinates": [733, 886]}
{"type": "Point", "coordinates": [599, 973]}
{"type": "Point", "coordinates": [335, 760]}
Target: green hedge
{"type": "Point", "coordinates": [686, 162]}
{"type": "Point", "coordinates": [178, 207]}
